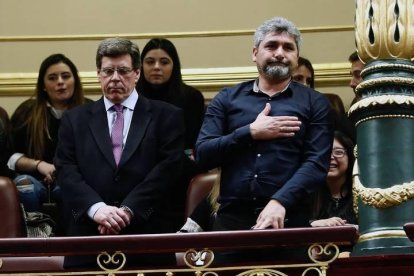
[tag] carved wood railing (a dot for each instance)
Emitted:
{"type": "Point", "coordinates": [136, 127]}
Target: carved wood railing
{"type": "Point", "coordinates": [198, 258]}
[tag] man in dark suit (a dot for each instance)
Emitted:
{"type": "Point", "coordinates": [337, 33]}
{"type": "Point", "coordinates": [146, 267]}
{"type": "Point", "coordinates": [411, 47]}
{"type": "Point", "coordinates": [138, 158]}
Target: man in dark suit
{"type": "Point", "coordinates": [108, 192]}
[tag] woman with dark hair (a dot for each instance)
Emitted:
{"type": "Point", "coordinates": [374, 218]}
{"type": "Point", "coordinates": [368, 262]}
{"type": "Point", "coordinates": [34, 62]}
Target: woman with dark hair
{"type": "Point", "coordinates": [161, 80]}
{"type": "Point", "coordinates": [35, 125]}
{"type": "Point", "coordinates": [304, 73]}
{"type": "Point", "coordinates": [333, 203]}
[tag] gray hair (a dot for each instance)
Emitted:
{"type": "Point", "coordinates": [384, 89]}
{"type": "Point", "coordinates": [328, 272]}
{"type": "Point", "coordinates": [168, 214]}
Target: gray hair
{"type": "Point", "coordinates": [277, 25]}
{"type": "Point", "coordinates": [115, 47]}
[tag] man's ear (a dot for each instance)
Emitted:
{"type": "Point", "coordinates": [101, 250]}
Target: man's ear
{"type": "Point", "coordinates": [254, 54]}
{"type": "Point", "coordinates": [138, 75]}
{"type": "Point", "coordinates": [98, 71]}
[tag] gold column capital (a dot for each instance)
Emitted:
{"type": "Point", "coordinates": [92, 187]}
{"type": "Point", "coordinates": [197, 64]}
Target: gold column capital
{"type": "Point", "coordinates": [384, 29]}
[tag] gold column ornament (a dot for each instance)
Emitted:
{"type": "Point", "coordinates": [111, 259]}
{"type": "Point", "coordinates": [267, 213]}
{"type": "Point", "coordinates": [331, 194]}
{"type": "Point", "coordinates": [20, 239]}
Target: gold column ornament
{"type": "Point", "coordinates": [381, 198]}
{"type": "Point", "coordinates": [384, 29]}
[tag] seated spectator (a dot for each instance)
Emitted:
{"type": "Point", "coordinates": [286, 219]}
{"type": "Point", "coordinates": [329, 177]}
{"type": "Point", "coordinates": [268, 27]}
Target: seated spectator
{"type": "Point", "coordinates": [35, 126]}
{"type": "Point", "coordinates": [333, 202]}
{"type": "Point", "coordinates": [161, 80]}
{"type": "Point", "coordinates": [333, 205]}
{"type": "Point", "coordinates": [304, 73]}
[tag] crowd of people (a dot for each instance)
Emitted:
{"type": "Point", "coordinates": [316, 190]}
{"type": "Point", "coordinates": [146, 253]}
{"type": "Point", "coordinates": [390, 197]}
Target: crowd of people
{"type": "Point", "coordinates": [122, 164]}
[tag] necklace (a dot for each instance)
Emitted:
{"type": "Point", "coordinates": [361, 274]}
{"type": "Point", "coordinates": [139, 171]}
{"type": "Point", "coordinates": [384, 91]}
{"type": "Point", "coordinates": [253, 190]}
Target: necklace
{"type": "Point", "coordinates": [336, 200]}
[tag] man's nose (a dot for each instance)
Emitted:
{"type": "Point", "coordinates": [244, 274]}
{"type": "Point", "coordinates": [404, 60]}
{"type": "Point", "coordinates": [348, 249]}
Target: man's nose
{"type": "Point", "coordinates": [279, 52]}
{"type": "Point", "coordinates": [115, 76]}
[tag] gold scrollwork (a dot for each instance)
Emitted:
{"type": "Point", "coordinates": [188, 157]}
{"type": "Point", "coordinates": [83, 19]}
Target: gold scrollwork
{"type": "Point", "coordinates": [381, 198]}
{"type": "Point", "coordinates": [381, 100]}
{"type": "Point", "coordinates": [323, 253]}
{"type": "Point", "coordinates": [198, 259]}
{"type": "Point", "coordinates": [105, 260]}
{"type": "Point", "coordinates": [262, 272]}
{"type": "Point", "coordinates": [314, 269]}
{"type": "Point", "coordinates": [199, 273]}
{"type": "Point", "coordinates": [318, 266]}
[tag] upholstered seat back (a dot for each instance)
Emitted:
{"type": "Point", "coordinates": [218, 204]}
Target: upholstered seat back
{"type": "Point", "coordinates": [10, 212]}
{"type": "Point", "coordinates": [199, 187]}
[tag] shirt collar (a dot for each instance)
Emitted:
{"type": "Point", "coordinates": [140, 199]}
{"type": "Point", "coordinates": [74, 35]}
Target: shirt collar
{"type": "Point", "coordinates": [57, 113]}
{"type": "Point", "coordinates": [129, 102]}
{"type": "Point", "coordinates": [256, 88]}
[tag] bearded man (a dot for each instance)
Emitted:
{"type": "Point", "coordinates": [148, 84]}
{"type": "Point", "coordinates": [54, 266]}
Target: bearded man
{"type": "Point", "coordinates": [272, 138]}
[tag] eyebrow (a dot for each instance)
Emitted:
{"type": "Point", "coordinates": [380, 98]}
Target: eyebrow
{"type": "Point", "coordinates": [54, 74]}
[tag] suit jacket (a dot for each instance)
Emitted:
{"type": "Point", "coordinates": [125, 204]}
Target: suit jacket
{"type": "Point", "coordinates": [87, 172]}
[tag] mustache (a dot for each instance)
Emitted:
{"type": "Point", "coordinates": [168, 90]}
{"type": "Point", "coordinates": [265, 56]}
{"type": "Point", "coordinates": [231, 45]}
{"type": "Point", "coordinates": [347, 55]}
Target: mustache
{"type": "Point", "coordinates": [278, 63]}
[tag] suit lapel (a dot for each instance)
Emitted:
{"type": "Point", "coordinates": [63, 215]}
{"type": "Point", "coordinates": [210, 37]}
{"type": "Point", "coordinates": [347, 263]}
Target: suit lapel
{"type": "Point", "coordinates": [139, 124]}
{"type": "Point", "coordinates": [99, 128]}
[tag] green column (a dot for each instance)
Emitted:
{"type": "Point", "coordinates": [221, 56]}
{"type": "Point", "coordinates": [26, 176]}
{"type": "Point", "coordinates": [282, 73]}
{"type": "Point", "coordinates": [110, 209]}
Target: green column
{"type": "Point", "coordinates": [384, 117]}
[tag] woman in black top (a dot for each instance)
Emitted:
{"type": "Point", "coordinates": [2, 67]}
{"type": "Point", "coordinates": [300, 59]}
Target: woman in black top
{"type": "Point", "coordinates": [333, 205]}
{"type": "Point", "coordinates": [161, 80]}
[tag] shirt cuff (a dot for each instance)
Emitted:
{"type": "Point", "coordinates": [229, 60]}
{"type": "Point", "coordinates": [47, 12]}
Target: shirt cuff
{"type": "Point", "coordinates": [92, 210]}
{"type": "Point", "coordinates": [13, 160]}
{"type": "Point", "coordinates": [190, 226]}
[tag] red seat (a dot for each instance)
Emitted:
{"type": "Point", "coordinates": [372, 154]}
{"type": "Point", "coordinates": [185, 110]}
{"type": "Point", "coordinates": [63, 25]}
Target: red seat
{"type": "Point", "coordinates": [32, 264]}
{"type": "Point", "coordinates": [199, 187]}
{"type": "Point", "coordinates": [10, 211]}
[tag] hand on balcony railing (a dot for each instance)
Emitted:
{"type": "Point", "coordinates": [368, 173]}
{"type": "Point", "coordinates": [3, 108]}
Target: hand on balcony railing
{"type": "Point", "coordinates": [333, 221]}
{"type": "Point", "coordinates": [272, 216]}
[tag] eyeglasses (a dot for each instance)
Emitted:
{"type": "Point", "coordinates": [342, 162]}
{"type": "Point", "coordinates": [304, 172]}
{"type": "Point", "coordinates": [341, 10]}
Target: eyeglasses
{"type": "Point", "coordinates": [338, 152]}
{"type": "Point", "coordinates": [122, 71]}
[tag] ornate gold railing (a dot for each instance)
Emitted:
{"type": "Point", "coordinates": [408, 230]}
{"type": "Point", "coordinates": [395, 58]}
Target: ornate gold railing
{"type": "Point", "coordinates": [197, 259]}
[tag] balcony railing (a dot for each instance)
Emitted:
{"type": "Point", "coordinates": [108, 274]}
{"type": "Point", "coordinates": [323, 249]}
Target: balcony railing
{"type": "Point", "coordinates": [195, 252]}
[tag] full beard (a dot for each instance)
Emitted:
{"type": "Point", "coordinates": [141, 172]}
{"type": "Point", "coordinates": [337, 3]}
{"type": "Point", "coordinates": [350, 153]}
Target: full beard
{"type": "Point", "coordinates": [276, 71]}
